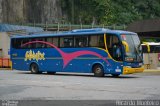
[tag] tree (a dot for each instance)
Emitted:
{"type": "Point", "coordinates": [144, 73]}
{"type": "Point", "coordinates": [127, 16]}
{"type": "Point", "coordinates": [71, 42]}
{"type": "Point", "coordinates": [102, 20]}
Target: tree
{"type": "Point", "coordinates": [109, 12]}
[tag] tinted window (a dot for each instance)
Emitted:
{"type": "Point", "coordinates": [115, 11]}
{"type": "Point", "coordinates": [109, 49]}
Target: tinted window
{"type": "Point", "coordinates": [40, 45]}
{"type": "Point", "coordinates": [23, 42]}
{"type": "Point", "coordinates": [153, 49]}
{"type": "Point", "coordinates": [96, 41]}
{"type": "Point", "coordinates": [66, 42]}
{"type": "Point", "coordinates": [53, 41]}
{"type": "Point", "coordinates": [20, 43]}
{"type": "Point", "coordinates": [81, 41]}
{"type": "Point", "coordinates": [16, 43]}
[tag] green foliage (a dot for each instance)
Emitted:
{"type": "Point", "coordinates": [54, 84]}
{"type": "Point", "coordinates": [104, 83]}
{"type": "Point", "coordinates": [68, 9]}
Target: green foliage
{"type": "Point", "coordinates": [109, 12]}
{"type": "Point", "coordinates": [150, 40]}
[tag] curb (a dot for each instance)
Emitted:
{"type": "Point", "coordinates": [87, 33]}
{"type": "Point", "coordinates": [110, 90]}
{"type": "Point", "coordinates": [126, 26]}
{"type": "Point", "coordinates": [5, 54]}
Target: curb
{"type": "Point", "coordinates": [151, 70]}
{"type": "Point", "coordinates": [9, 69]}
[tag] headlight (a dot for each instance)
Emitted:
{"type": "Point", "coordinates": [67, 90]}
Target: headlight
{"type": "Point", "coordinates": [128, 66]}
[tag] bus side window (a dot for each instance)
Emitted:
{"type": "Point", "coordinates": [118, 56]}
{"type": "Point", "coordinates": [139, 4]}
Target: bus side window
{"type": "Point", "coordinates": [16, 43]}
{"type": "Point", "coordinates": [55, 41]}
{"type": "Point", "coordinates": [32, 46]}
{"type": "Point", "coordinates": [52, 40]}
{"type": "Point", "coordinates": [49, 40]}
{"type": "Point", "coordinates": [93, 41]}
{"type": "Point", "coordinates": [43, 45]}
{"type": "Point", "coordinates": [101, 42]}
{"type": "Point", "coordinates": [66, 42]}
{"type": "Point", "coordinates": [24, 41]}
{"type": "Point", "coordinates": [97, 41]}
{"type": "Point", "coordinates": [39, 45]}
{"type": "Point", "coordinates": [81, 41]}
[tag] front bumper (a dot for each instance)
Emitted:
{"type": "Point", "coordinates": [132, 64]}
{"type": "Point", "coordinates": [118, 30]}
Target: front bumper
{"type": "Point", "coordinates": [127, 70]}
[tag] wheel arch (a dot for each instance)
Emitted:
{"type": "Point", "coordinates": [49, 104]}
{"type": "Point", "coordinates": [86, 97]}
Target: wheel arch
{"type": "Point", "coordinates": [97, 63]}
{"type": "Point", "coordinates": [33, 63]}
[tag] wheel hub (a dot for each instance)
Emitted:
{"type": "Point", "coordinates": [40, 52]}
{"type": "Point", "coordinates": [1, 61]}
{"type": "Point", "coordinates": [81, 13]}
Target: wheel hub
{"type": "Point", "coordinates": [98, 70]}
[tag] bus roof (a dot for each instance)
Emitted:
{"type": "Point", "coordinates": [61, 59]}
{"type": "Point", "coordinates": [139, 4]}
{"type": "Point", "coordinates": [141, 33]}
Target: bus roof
{"type": "Point", "coordinates": [75, 32]}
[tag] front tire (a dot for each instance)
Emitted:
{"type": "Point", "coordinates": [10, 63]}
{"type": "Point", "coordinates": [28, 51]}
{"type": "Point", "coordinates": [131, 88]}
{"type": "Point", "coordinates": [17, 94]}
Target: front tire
{"type": "Point", "coordinates": [34, 69]}
{"type": "Point", "coordinates": [98, 70]}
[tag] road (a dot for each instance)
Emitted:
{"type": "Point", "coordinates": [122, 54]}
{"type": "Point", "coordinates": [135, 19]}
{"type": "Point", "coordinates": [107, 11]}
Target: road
{"type": "Point", "coordinates": [18, 85]}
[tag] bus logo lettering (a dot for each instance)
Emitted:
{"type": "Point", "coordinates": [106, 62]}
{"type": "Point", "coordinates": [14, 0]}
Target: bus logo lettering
{"type": "Point", "coordinates": [31, 55]}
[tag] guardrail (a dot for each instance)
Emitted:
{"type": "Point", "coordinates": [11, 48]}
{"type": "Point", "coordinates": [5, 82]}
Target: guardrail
{"type": "Point", "coordinates": [5, 63]}
{"type": "Point", "coordinates": [69, 26]}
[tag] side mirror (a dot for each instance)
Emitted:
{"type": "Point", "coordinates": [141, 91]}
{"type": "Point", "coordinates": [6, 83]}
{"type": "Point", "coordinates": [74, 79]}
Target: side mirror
{"type": "Point", "coordinates": [126, 46]}
{"type": "Point", "coordinates": [148, 47]}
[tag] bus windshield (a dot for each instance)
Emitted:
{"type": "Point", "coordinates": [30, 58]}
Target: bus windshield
{"type": "Point", "coordinates": [134, 54]}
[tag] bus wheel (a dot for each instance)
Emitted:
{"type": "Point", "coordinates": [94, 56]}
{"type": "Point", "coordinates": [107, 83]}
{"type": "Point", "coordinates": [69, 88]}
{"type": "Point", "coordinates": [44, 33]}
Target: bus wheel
{"type": "Point", "coordinates": [98, 70]}
{"type": "Point", "coordinates": [115, 75]}
{"type": "Point", "coordinates": [34, 69]}
{"type": "Point", "coordinates": [52, 73]}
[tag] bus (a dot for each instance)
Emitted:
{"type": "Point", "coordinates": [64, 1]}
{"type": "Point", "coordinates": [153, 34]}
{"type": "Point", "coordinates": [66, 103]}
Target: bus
{"type": "Point", "coordinates": [99, 51]}
{"type": "Point", "coordinates": [151, 54]}
{"type": "Point", "coordinates": [150, 47]}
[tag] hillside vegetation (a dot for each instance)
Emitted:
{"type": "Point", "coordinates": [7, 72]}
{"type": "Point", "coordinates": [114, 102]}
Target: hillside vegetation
{"type": "Point", "coordinates": [95, 12]}
{"type": "Point", "coordinates": [109, 12]}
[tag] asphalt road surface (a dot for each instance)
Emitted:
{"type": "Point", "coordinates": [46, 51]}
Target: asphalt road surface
{"type": "Point", "coordinates": [18, 85]}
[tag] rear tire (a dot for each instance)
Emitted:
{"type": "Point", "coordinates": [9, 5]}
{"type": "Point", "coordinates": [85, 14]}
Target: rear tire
{"type": "Point", "coordinates": [98, 70]}
{"type": "Point", "coordinates": [34, 69]}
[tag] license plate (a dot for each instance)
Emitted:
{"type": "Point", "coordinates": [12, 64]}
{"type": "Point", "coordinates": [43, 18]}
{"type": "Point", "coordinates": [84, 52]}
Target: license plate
{"type": "Point", "coordinates": [118, 70]}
